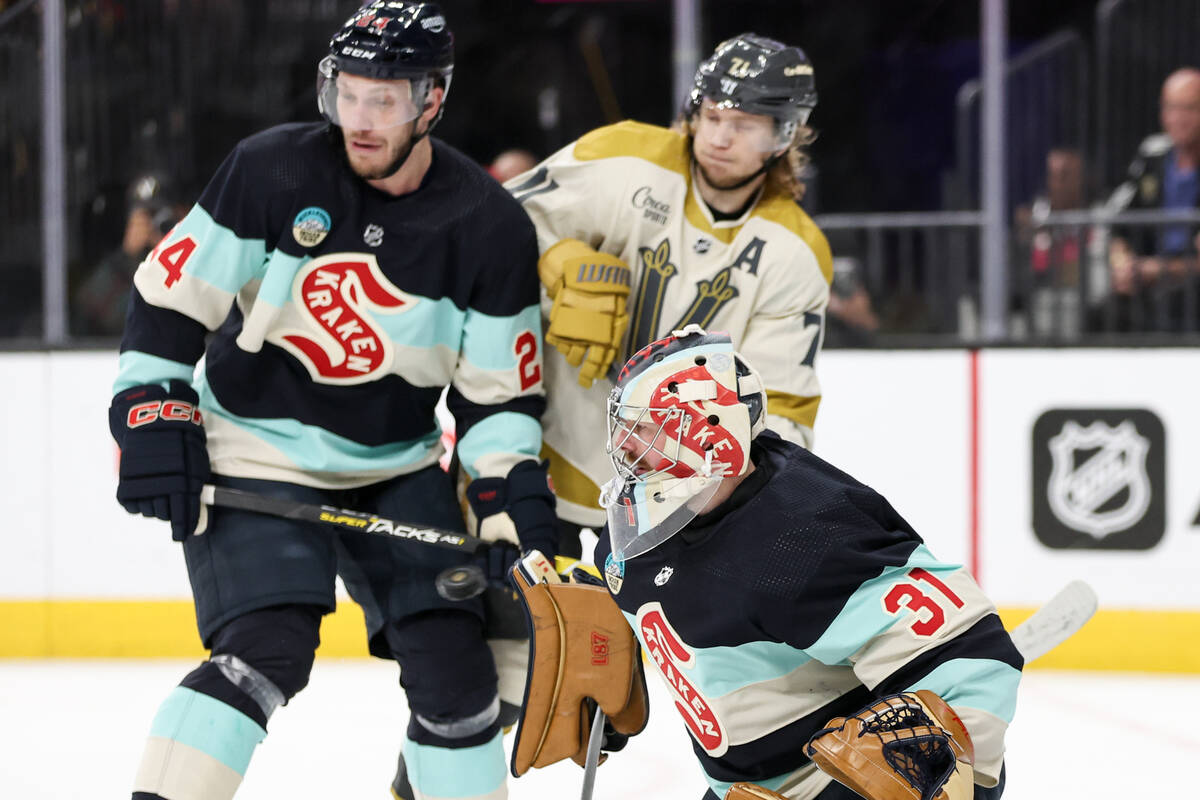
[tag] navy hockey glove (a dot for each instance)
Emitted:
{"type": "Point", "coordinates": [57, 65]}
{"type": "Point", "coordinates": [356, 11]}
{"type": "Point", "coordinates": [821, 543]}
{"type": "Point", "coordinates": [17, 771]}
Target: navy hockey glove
{"type": "Point", "coordinates": [519, 506]}
{"type": "Point", "coordinates": [164, 461]}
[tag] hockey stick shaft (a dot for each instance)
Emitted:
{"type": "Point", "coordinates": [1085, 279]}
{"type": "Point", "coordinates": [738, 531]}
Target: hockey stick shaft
{"type": "Point", "coordinates": [592, 761]}
{"type": "Point", "coordinates": [455, 583]}
{"type": "Point", "coordinates": [341, 518]}
{"type": "Point", "coordinates": [1056, 621]}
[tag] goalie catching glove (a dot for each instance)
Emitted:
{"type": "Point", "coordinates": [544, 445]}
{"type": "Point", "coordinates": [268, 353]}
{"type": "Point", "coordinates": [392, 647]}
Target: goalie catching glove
{"type": "Point", "coordinates": [907, 746]}
{"type": "Point", "coordinates": [590, 291]}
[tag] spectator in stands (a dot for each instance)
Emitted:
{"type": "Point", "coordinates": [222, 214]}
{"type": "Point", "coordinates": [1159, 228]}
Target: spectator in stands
{"type": "Point", "coordinates": [1153, 269]}
{"type": "Point", "coordinates": [103, 296]}
{"type": "Point", "coordinates": [852, 320]}
{"type": "Point", "coordinates": [1050, 257]}
{"type": "Point", "coordinates": [511, 163]}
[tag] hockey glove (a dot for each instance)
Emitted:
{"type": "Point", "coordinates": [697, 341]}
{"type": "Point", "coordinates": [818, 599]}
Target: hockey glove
{"type": "Point", "coordinates": [901, 747]}
{"type": "Point", "coordinates": [164, 461]}
{"type": "Point", "coordinates": [590, 291]}
{"type": "Point", "coordinates": [517, 509]}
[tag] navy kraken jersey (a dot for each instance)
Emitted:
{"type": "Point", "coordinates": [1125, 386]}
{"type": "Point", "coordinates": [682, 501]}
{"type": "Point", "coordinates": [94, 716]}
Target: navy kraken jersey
{"type": "Point", "coordinates": [800, 599]}
{"type": "Point", "coordinates": [335, 315]}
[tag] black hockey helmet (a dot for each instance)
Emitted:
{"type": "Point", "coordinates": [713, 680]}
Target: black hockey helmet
{"type": "Point", "coordinates": [759, 76]}
{"type": "Point", "coordinates": [390, 40]}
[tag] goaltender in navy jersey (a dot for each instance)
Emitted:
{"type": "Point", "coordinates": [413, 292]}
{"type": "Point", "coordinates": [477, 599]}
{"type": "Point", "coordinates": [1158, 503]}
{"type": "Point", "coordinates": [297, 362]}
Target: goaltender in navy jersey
{"type": "Point", "coordinates": [800, 599]}
{"type": "Point", "coordinates": [337, 313]}
{"type": "Point", "coordinates": [629, 190]}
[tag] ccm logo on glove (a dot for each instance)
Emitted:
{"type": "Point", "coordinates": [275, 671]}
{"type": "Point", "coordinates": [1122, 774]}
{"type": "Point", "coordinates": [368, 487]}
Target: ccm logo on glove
{"type": "Point", "coordinates": [169, 410]}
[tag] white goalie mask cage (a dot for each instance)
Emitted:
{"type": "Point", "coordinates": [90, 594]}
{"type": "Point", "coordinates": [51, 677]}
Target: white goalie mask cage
{"type": "Point", "coordinates": [680, 419]}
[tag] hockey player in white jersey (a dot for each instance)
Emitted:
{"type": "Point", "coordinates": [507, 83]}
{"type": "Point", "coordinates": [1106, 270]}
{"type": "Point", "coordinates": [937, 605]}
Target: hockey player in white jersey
{"type": "Point", "coordinates": [643, 230]}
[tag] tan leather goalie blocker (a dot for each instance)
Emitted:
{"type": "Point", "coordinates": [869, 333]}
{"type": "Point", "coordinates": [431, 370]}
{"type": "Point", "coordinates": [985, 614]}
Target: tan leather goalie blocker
{"type": "Point", "coordinates": [581, 648]}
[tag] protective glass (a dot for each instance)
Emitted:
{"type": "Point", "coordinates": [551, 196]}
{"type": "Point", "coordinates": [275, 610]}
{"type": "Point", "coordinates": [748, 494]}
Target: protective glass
{"type": "Point", "coordinates": [762, 132]}
{"type": "Point", "coordinates": [357, 103]}
{"type": "Point", "coordinates": [656, 492]}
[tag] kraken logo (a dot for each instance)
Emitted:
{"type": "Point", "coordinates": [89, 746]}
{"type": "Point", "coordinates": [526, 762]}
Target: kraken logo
{"type": "Point", "coordinates": [336, 297]}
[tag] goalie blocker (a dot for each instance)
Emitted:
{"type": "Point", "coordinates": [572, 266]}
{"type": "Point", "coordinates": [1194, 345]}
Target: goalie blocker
{"type": "Point", "coordinates": [582, 655]}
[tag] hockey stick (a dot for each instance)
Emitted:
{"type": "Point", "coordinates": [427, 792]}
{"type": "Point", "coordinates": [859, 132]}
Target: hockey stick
{"type": "Point", "coordinates": [595, 739]}
{"type": "Point", "coordinates": [1056, 621]}
{"type": "Point", "coordinates": [455, 583]}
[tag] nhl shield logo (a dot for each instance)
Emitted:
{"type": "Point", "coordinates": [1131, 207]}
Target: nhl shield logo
{"type": "Point", "coordinates": [1099, 479]}
{"type": "Point", "coordinates": [1080, 487]}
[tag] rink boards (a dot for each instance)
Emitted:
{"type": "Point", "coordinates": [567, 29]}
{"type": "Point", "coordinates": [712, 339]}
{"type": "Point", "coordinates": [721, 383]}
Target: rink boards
{"type": "Point", "coordinates": [1033, 467]}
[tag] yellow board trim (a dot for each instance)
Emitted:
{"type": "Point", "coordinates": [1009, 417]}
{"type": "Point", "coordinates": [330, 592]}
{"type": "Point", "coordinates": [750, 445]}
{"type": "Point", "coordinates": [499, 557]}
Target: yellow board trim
{"type": "Point", "coordinates": [1114, 640]}
{"type": "Point", "coordinates": [137, 629]}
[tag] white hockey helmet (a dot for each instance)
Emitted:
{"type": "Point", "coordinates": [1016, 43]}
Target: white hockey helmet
{"type": "Point", "coordinates": [680, 419]}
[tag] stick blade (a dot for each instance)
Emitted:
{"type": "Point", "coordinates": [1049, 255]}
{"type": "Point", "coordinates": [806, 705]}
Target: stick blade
{"type": "Point", "coordinates": [1056, 621]}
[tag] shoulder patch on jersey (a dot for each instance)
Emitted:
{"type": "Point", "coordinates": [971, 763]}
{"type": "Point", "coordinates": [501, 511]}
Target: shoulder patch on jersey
{"type": "Point", "coordinates": [660, 146]}
{"type": "Point", "coordinates": [311, 226]}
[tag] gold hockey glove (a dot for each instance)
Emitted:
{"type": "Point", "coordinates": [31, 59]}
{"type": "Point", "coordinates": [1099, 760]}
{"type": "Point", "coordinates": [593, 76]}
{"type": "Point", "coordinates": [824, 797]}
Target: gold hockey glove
{"type": "Point", "coordinates": [901, 747]}
{"type": "Point", "coordinates": [590, 291]}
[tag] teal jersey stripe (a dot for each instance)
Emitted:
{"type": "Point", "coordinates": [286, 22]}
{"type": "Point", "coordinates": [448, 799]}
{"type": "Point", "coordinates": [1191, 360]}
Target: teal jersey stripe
{"type": "Point", "coordinates": [863, 616]}
{"type": "Point", "coordinates": [488, 341]}
{"type": "Point", "coordinates": [455, 772]}
{"type": "Point", "coordinates": [317, 450]}
{"type": "Point", "coordinates": [135, 368]}
{"type": "Point", "coordinates": [719, 671]}
{"type": "Point", "coordinates": [504, 432]}
{"type": "Point", "coordinates": [980, 683]}
{"type": "Point", "coordinates": [210, 726]}
{"type": "Point", "coordinates": [276, 286]}
{"type": "Point", "coordinates": [222, 258]}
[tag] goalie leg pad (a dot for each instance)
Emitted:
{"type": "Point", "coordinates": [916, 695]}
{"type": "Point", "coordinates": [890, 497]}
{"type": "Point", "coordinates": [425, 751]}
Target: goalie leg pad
{"type": "Point", "coordinates": [582, 650]}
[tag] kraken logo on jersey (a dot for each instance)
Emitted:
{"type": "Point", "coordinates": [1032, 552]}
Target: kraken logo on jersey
{"type": "Point", "coordinates": [674, 659]}
{"type": "Point", "coordinates": [335, 297]}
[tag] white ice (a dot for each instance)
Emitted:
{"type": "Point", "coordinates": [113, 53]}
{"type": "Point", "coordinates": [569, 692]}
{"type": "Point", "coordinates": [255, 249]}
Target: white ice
{"type": "Point", "coordinates": [74, 729]}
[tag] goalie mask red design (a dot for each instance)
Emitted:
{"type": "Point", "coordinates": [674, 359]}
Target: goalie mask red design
{"type": "Point", "coordinates": [680, 418]}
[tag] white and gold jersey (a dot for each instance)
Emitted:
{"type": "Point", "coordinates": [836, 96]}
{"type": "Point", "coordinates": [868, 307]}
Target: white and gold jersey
{"type": "Point", "coordinates": [627, 190]}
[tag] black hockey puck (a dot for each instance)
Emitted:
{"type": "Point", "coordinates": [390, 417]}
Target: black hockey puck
{"type": "Point", "coordinates": [461, 583]}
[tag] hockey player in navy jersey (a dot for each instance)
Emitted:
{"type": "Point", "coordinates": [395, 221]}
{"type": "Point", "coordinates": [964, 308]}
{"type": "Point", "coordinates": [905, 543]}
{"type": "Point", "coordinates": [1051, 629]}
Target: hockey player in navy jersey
{"type": "Point", "coordinates": [776, 597]}
{"type": "Point", "coordinates": [336, 276]}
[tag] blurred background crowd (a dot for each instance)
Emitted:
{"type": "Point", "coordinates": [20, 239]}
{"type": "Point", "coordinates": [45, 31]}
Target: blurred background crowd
{"type": "Point", "coordinates": [1102, 121]}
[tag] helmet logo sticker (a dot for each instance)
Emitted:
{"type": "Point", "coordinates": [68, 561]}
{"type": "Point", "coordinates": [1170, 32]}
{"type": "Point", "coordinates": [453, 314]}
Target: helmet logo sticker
{"type": "Point", "coordinates": [373, 235]}
{"type": "Point", "coordinates": [434, 24]}
{"type": "Point", "coordinates": [738, 68]}
{"type": "Point", "coordinates": [798, 69]}
{"type": "Point", "coordinates": [311, 226]}
{"type": "Point", "coordinates": [663, 575]}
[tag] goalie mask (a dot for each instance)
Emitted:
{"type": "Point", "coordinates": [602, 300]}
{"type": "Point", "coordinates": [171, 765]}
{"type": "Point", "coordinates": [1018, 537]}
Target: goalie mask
{"type": "Point", "coordinates": [680, 419]}
{"type": "Point", "coordinates": [757, 75]}
{"type": "Point", "coordinates": [405, 48]}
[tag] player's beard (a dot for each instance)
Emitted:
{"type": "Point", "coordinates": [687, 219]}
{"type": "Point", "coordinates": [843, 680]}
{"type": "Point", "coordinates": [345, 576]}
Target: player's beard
{"type": "Point", "coordinates": [399, 156]}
